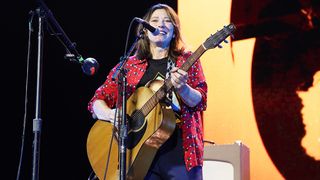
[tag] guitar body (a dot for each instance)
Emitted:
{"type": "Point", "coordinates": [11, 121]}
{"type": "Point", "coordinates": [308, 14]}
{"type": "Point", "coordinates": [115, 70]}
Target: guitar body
{"type": "Point", "coordinates": [142, 144]}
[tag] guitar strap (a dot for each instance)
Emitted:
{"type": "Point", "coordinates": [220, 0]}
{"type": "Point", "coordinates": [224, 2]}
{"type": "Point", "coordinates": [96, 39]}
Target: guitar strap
{"type": "Point", "coordinates": [171, 95]}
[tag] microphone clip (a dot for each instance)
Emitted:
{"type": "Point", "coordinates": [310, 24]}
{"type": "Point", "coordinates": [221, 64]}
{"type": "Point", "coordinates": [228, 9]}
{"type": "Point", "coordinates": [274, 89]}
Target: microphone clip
{"type": "Point", "coordinates": [71, 57]}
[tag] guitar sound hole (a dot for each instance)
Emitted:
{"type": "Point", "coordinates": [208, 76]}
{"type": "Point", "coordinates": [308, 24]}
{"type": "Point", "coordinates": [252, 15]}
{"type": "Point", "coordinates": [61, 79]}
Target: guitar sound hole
{"type": "Point", "coordinates": [136, 121]}
{"type": "Point", "coordinates": [134, 138]}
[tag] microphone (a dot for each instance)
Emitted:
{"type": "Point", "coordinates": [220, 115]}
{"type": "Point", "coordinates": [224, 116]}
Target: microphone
{"type": "Point", "coordinates": [89, 65]}
{"type": "Point", "coordinates": [145, 24]}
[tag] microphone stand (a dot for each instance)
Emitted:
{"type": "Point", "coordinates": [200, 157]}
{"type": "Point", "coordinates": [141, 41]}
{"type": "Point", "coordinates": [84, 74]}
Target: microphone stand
{"type": "Point", "coordinates": [123, 129]}
{"type": "Point", "coordinates": [37, 121]}
{"type": "Point", "coordinates": [44, 13]}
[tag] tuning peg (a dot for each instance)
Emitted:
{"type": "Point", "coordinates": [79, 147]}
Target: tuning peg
{"type": "Point", "coordinates": [219, 46]}
{"type": "Point", "coordinates": [225, 41]}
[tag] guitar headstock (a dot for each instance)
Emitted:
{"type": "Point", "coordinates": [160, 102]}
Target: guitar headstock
{"type": "Point", "coordinates": [215, 39]}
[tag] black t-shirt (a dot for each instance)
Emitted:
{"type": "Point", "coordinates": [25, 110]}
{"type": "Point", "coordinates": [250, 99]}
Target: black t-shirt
{"type": "Point", "coordinates": [155, 66]}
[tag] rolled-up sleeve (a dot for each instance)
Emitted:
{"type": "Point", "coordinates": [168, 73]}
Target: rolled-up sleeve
{"type": "Point", "coordinates": [197, 81]}
{"type": "Point", "coordinates": [108, 92]}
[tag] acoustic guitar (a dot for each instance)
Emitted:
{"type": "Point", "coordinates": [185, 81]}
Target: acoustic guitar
{"type": "Point", "coordinates": [150, 124]}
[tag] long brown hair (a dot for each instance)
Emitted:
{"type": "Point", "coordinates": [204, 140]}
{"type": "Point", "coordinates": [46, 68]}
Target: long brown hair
{"type": "Point", "coordinates": [176, 45]}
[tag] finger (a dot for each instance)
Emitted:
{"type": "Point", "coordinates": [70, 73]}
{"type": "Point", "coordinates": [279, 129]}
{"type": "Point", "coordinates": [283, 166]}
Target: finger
{"type": "Point", "coordinates": [177, 83]}
{"type": "Point", "coordinates": [182, 72]}
{"type": "Point", "coordinates": [176, 78]}
{"type": "Point", "coordinates": [174, 82]}
{"type": "Point", "coordinates": [182, 79]}
{"type": "Point", "coordinates": [179, 71]}
{"type": "Point", "coordinates": [174, 69]}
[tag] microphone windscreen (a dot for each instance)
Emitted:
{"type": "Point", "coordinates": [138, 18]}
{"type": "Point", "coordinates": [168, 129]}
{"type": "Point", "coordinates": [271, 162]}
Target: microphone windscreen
{"type": "Point", "coordinates": [90, 66]}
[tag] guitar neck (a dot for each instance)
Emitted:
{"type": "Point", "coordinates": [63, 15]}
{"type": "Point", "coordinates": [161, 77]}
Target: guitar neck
{"type": "Point", "coordinates": [193, 58]}
{"type": "Point", "coordinates": [167, 86]}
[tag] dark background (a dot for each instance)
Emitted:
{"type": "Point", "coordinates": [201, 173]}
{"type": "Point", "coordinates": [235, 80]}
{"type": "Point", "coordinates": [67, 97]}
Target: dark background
{"type": "Point", "coordinates": [99, 28]}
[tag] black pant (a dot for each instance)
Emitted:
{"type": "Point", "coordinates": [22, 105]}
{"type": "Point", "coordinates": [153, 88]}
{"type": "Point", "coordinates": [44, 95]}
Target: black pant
{"type": "Point", "coordinates": [169, 162]}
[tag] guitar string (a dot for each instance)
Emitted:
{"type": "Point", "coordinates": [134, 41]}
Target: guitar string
{"type": "Point", "coordinates": [139, 114]}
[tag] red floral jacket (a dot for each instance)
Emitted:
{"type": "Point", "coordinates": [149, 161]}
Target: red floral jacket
{"type": "Point", "coordinates": [191, 117]}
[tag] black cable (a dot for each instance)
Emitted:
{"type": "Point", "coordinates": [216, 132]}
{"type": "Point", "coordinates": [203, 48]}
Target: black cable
{"type": "Point", "coordinates": [110, 146]}
{"type": "Point", "coordinates": [31, 13]}
{"type": "Point", "coordinates": [57, 35]}
{"type": "Point", "coordinates": [128, 35]}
